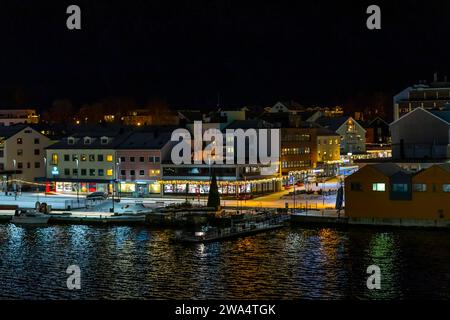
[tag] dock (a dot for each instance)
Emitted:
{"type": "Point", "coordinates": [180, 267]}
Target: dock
{"type": "Point", "coordinates": [238, 230]}
{"type": "Point", "coordinates": [319, 217]}
{"type": "Point", "coordinates": [75, 217]}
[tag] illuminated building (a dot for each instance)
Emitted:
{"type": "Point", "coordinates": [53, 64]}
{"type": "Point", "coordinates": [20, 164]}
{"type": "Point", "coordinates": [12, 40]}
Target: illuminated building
{"type": "Point", "coordinates": [432, 96]}
{"type": "Point", "coordinates": [12, 116]}
{"type": "Point", "coordinates": [22, 151]}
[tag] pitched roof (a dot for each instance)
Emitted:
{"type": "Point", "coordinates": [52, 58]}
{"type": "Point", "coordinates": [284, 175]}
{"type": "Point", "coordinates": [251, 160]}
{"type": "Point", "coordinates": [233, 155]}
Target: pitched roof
{"type": "Point", "coordinates": [326, 132]}
{"type": "Point", "coordinates": [445, 166]}
{"type": "Point", "coordinates": [95, 142]}
{"type": "Point", "coordinates": [388, 169]}
{"type": "Point", "coordinates": [145, 140]}
{"type": "Point", "coordinates": [8, 131]}
{"type": "Point", "coordinates": [249, 124]}
{"type": "Point", "coordinates": [444, 115]}
{"type": "Point", "coordinates": [332, 123]}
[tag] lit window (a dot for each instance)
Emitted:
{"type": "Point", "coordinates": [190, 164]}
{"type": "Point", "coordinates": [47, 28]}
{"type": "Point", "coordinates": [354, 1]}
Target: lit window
{"type": "Point", "coordinates": [19, 141]}
{"type": "Point", "coordinates": [109, 158]}
{"type": "Point", "coordinates": [381, 187]}
{"type": "Point", "coordinates": [446, 187]}
{"type": "Point", "coordinates": [83, 157]}
{"type": "Point", "coordinates": [55, 158]}
{"type": "Point", "coordinates": [109, 172]}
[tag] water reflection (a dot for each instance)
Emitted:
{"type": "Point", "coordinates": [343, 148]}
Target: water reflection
{"type": "Point", "coordinates": [142, 263]}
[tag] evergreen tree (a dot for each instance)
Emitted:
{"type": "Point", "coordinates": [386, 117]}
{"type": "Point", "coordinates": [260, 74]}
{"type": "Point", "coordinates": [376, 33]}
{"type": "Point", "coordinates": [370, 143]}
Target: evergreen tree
{"type": "Point", "coordinates": [214, 196]}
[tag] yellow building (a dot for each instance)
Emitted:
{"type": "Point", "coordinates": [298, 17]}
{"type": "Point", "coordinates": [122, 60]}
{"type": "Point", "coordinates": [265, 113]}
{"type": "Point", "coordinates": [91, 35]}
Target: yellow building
{"type": "Point", "coordinates": [387, 194]}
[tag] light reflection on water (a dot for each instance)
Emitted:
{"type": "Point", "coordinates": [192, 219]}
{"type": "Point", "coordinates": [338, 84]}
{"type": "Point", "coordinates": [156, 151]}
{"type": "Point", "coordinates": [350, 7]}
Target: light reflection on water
{"type": "Point", "coordinates": [142, 263]}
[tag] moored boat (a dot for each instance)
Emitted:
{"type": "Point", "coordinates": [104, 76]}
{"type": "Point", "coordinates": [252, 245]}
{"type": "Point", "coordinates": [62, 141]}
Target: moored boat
{"type": "Point", "coordinates": [29, 217]}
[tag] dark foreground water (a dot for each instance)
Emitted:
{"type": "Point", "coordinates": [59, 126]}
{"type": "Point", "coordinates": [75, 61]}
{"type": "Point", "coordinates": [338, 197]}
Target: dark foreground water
{"type": "Point", "coordinates": [141, 263]}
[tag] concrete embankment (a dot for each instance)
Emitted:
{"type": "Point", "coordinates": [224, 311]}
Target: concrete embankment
{"type": "Point", "coordinates": [407, 223]}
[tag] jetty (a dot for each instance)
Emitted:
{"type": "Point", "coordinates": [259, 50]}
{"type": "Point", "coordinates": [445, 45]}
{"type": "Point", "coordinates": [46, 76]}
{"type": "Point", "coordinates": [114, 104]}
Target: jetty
{"type": "Point", "coordinates": [319, 217]}
{"type": "Point", "coordinates": [245, 228]}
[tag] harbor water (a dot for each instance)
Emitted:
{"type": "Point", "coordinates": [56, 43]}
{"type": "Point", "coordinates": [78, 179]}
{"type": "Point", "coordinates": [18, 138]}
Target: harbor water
{"type": "Point", "coordinates": [121, 262]}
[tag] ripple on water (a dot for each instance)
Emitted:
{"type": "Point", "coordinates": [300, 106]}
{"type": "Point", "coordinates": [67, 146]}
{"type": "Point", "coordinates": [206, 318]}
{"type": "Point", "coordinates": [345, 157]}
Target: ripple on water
{"type": "Point", "coordinates": [141, 263]}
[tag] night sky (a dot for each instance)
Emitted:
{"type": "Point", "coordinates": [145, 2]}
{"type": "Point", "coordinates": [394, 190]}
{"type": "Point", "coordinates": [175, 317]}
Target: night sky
{"type": "Point", "coordinates": [188, 51]}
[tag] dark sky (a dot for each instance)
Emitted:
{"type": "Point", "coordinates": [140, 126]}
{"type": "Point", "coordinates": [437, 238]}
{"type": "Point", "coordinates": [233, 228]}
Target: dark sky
{"type": "Point", "coordinates": [318, 52]}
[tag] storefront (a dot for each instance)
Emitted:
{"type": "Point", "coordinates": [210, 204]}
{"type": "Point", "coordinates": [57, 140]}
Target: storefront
{"type": "Point", "coordinates": [72, 186]}
{"type": "Point", "coordinates": [139, 188]}
{"type": "Point", "coordinates": [226, 188]}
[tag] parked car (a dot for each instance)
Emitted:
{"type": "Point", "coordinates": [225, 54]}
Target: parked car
{"type": "Point", "coordinates": [98, 195]}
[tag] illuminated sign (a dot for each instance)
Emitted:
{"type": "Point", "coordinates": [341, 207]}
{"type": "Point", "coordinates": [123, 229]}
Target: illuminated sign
{"type": "Point", "coordinates": [55, 171]}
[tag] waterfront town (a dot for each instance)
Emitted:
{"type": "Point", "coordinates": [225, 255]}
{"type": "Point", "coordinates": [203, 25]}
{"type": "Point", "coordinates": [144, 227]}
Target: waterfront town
{"type": "Point", "coordinates": [226, 157]}
{"type": "Point", "coordinates": [388, 170]}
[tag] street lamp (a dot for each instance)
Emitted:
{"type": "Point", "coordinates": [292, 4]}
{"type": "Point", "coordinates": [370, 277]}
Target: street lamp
{"type": "Point", "coordinates": [45, 168]}
{"type": "Point", "coordinates": [118, 174]}
{"type": "Point", "coordinates": [14, 179]}
{"type": "Point", "coordinates": [78, 182]}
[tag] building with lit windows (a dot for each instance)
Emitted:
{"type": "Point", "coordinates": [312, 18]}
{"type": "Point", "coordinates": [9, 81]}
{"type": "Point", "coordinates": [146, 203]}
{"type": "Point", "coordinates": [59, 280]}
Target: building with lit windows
{"type": "Point", "coordinates": [387, 194]}
{"type": "Point", "coordinates": [328, 152]}
{"type": "Point", "coordinates": [84, 161]}
{"type": "Point", "coordinates": [234, 180]}
{"type": "Point", "coordinates": [431, 96]}
{"type": "Point", "coordinates": [22, 151]}
{"type": "Point", "coordinates": [352, 133]}
{"type": "Point", "coordinates": [139, 162]}
{"type": "Point", "coordinates": [11, 116]}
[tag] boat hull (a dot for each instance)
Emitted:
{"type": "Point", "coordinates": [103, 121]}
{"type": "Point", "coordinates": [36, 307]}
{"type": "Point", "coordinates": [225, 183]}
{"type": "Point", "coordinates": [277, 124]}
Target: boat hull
{"type": "Point", "coordinates": [34, 221]}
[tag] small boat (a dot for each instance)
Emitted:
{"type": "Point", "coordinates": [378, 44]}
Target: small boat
{"type": "Point", "coordinates": [29, 217]}
{"type": "Point", "coordinates": [132, 209]}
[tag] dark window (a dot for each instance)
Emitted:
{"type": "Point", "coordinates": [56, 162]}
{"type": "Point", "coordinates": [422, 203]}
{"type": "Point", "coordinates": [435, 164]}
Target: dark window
{"type": "Point", "coordinates": [19, 165]}
{"type": "Point", "coordinates": [101, 172]}
{"type": "Point", "coordinates": [151, 159]}
{"type": "Point", "coordinates": [132, 173]}
{"type": "Point", "coordinates": [66, 157]}
{"type": "Point", "coordinates": [75, 172]}
{"type": "Point", "coordinates": [122, 159]}
{"type": "Point", "coordinates": [141, 159]}
{"type": "Point", "coordinates": [141, 173]}
{"type": "Point", "coordinates": [100, 157]}
{"type": "Point", "coordinates": [156, 159]}
{"type": "Point", "coordinates": [37, 165]}
{"type": "Point", "coordinates": [123, 172]}
{"type": "Point", "coordinates": [2, 154]}
{"type": "Point", "coordinates": [92, 172]}
{"type": "Point", "coordinates": [399, 187]}
{"type": "Point", "coordinates": [83, 172]}
{"type": "Point", "coordinates": [74, 157]}
{"type": "Point", "coordinates": [36, 141]}
{"type": "Point", "coordinates": [37, 152]}
{"type": "Point", "coordinates": [28, 165]}
{"type": "Point", "coordinates": [19, 152]}
{"type": "Point", "coordinates": [91, 157]}
{"type": "Point", "coordinates": [356, 186]}
{"type": "Point", "coordinates": [419, 187]}
{"type": "Point", "coordinates": [67, 172]}
{"type": "Point", "coordinates": [131, 159]}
